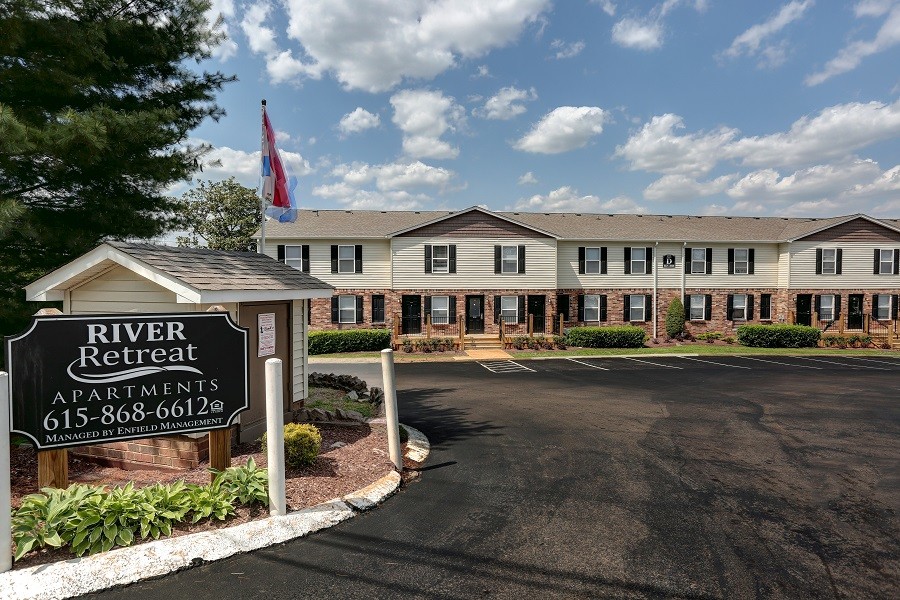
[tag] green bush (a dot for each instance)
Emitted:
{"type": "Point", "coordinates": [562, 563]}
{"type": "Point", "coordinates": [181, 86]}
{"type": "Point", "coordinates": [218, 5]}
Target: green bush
{"type": "Point", "coordinates": [302, 443]}
{"type": "Point", "coordinates": [778, 336]}
{"type": "Point", "coordinates": [709, 337]}
{"type": "Point", "coordinates": [675, 318]}
{"type": "Point", "coordinates": [404, 435]}
{"type": "Point", "coordinates": [247, 483]}
{"type": "Point", "coordinates": [626, 336]}
{"type": "Point", "coordinates": [349, 340]}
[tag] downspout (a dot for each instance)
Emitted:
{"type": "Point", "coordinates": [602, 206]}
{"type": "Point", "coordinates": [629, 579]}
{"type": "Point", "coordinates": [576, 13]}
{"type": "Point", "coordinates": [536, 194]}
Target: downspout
{"type": "Point", "coordinates": [655, 290]}
{"type": "Point", "coordinates": [683, 271]}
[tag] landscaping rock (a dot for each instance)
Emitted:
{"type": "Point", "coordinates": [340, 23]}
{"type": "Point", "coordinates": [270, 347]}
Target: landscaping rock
{"type": "Point", "coordinates": [352, 395]}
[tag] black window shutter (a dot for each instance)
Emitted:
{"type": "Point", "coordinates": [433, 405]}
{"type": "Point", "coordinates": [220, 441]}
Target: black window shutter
{"type": "Point", "coordinates": [603, 307]}
{"type": "Point", "coordinates": [521, 307]}
{"type": "Point", "coordinates": [496, 306]}
{"type": "Point", "coordinates": [581, 260]}
{"type": "Point", "coordinates": [837, 305]}
{"type": "Point", "coordinates": [452, 302]}
{"type": "Point", "coordinates": [304, 258]}
{"type": "Point", "coordinates": [603, 260]}
{"type": "Point", "coordinates": [521, 259]}
{"type": "Point", "coordinates": [334, 309]}
{"type": "Point", "coordinates": [839, 259]}
{"type": "Point", "coordinates": [687, 306]}
{"type": "Point", "coordinates": [359, 258]}
{"type": "Point", "coordinates": [818, 261]}
{"type": "Point", "coordinates": [707, 308]}
{"type": "Point", "coordinates": [687, 261]}
{"type": "Point", "coordinates": [627, 308]}
{"type": "Point", "coordinates": [648, 307]}
{"type": "Point", "coordinates": [731, 261]}
{"type": "Point", "coordinates": [580, 308]}
{"type": "Point", "coordinates": [750, 307]}
{"type": "Point", "coordinates": [648, 254]}
{"type": "Point", "coordinates": [427, 305]}
{"type": "Point", "coordinates": [751, 258]}
{"type": "Point", "coordinates": [498, 266]}
{"type": "Point", "coordinates": [359, 309]}
{"type": "Point", "coordinates": [877, 257]}
{"type": "Point", "coordinates": [729, 308]}
{"type": "Point", "coordinates": [627, 260]}
{"type": "Point", "coordinates": [334, 258]}
{"type": "Point", "coordinates": [894, 302]}
{"type": "Point", "coordinates": [452, 252]}
{"type": "Point", "coordinates": [428, 258]}
{"type": "Point", "coordinates": [280, 252]}
{"type": "Point", "coordinates": [818, 304]}
{"type": "Point", "coordinates": [377, 308]}
{"type": "Point", "coordinates": [709, 261]}
{"type": "Point", "coordinates": [875, 306]}
{"type": "Point", "coordinates": [896, 261]}
{"type": "Point", "coordinates": [563, 304]}
{"type": "Point", "coordinates": [765, 306]}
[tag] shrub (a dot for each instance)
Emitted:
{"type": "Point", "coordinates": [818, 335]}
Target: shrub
{"type": "Point", "coordinates": [302, 443]}
{"type": "Point", "coordinates": [709, 336]}
{"type": "Point", "coordinates": [404, 435]}
{"type": "Point", "coordinates": [675, 318]}
{"type": "Point", "coordinates": [349, 340]}
{"type": "Point", "coordinates": [626, 336]}
{"type": "Point", "coordinates": [778, 336]}
{"type": "Point", "coordinates": [559, 341]}
{"type": "Point", "coordinates": [729, 339]}
{"type": "Point", "coordinates": [245, 483]}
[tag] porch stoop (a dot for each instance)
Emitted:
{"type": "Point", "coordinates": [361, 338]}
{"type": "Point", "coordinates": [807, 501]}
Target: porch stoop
{"type": "Point", "coordinates": [482, 342]}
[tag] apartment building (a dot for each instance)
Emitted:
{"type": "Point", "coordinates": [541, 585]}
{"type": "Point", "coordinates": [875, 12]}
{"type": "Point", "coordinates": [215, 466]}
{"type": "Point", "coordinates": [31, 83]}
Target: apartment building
{"type": "Point", "coordinates": [475, 268]}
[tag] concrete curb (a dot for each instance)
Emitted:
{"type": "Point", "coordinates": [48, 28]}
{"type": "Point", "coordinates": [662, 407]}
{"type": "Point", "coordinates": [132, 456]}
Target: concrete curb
{"type": "Point", "coordinates": [123, 566]}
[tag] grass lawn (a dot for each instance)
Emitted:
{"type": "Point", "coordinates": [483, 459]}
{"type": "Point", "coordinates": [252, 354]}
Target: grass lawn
{"type": "Point", "coordinates": [707, 349]}
{"type": "Point", "coordinates": [330, 399]}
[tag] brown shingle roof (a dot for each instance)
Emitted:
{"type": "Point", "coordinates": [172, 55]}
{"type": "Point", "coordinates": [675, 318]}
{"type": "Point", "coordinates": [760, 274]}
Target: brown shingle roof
{"type": "Point", "coordinates": [205, 269]}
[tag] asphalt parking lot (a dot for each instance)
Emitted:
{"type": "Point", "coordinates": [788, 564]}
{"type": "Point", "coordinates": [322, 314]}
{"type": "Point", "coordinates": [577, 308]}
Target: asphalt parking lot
{"type": "Point", "coordinates": [674, 477]}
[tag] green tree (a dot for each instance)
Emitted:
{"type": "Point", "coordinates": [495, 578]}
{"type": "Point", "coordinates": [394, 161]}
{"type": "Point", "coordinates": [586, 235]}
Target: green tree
{"type": "Point", "coordinates": [97, 98]}
{"type": "Point", "coordinates": [675, 318]}
{"type": "Point", "coordinates": [224, 214]}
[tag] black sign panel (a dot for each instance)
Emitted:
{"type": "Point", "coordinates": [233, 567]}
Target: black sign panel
{"type": "Point", "coordinates": [668, 261]}
{"type": "Point", "coordinates": [101, 378]}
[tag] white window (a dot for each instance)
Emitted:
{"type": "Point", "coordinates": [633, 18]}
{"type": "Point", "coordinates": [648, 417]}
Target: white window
{"type": "Point", "coordinates": [826, 307]}
{"type": "Point", "coordinates": [739, 307]}
{"type": "Point", "coordinates": [698, 307]}
{"type": "Point", "coordinates": [440, 310]}
{"type": "Point", "coordinates": [829, 261]}
{"type": "Point", "coordinates": [638, 263]}
{"type": "Point", "coordinates": [440, 259]}
{"type": "Point", "coordinates": [592, 262]}
{"type": "Point", "coordinates": [741, 261]}
{"type": "Point", "coordinates": [509, 309]}
{"type": "Point", "coordinates": [293, 257]}
{"type": "Point", "coordinates": [636, 307]}
{"type": "Point", "coordinates": [347, 308]}
{"type": "Point", "coordinates": [346, 260]}
{"type": "Point", "coordinates": [882, 307]}
{"type": "Point", "coordinates": [510, 259]}
{"type": "Point", "coordinates": [698, 261]}
{"type": "Point", "coordinates": [886, 262]}
{"type": "Point", "coordinates": [592, 308]}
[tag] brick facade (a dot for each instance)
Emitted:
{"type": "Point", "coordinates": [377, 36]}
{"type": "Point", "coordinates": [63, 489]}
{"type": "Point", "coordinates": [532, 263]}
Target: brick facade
{"type": "Point", "coordinates": [174, 452]}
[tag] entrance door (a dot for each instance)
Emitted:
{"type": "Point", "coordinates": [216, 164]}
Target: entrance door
{"type": "Point", "coordinates": [411, 314]}
{"type": "Point", "coordinates": [474, 314]}
{"type": "Point", "coordinates": [536, 306]}
{"type": "Point", "coordinates": [804, 309]}
{"type": "Point", "coordinates": [855, 311]}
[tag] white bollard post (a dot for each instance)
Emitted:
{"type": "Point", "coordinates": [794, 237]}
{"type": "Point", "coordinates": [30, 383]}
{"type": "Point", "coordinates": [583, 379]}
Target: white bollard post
{"type": "Point", "coordinates": [390, 408]}
{"type": "Point", "coordinates": [5, 494]}
{"type": "Point", "coordinates": [275, 436]}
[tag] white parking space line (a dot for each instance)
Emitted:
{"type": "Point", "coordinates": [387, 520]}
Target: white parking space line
{"type": "Point", "coordinates": [840, 364]}
{"type": "Point", "coordinates": [775, 362]}
{"type": "Point", "coordinates": [893, 363]}
{"type": "Point", "coordinates": [647, 362]}
{"type": "Point", "coordinates": [588, 364]}
{"type": "Point", "coordinates": [712, 362]}
{"type": "Point", "coordinates": [505, 366]}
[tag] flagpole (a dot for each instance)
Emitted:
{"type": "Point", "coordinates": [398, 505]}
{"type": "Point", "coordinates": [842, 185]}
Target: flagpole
{"type": "Point", "coordinates": [262, 196]}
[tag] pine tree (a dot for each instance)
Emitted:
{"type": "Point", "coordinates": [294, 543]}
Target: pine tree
{"type": "Point", "coordinates": [675, 318]}
{"type": "Point", "coordinates": [224, 214]}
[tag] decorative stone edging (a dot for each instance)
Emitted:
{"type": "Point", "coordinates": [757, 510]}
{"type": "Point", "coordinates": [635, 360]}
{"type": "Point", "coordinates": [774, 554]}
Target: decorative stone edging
{"type": "Point", "coordinates": [122, 566]}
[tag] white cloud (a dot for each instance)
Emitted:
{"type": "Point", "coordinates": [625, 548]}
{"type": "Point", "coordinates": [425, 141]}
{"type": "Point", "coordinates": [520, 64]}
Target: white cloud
{"type": "Point", "coordinates": [656, 147]}
{"type": "Point", "coordinates": [424, 116]}
{"type": "Point", "coordinates": [260, 38]}
{"type": "Point", "coordinates": [641, 34]}
{"type": "Point", "coordinates": [506, 104]}
{"type": "Point", "coordinates": [565, 128]}
{"type": "Point", "coordinates": [886, 183]}
{"type": "Point", "coordinates": [386, 186]}
{"type": "Point", "coordinates": [284, 67]}
{"type": "Point", "coordinates": [357, 199]}
{"type": "Point", "coordinates": [357, 121]}
{"type": "Point", "coordinates": [224, 10]}
{"type": "Point", "coordinates": [812, 208]}
{"type": "Point", "coordinates": [374, 45]}
{"type": "Point", "coordinates": [608, 6]}
{"type": "Point", "coordinates": [567, 199]}
{"type": "Point", "coordinates": [566, 49]}
{"type": "Point", "coordinates": [873, 8]}
{"type": "Point", "coordinates": [528, 179]}
{"type": "Point", "coordinates": [831, 180]}
{"type": "Point", "coordinates": [677, 187]}
{"type": "Point", "coordinates": [482, 71]}
{"type": "Point", "coordinates": [849, 57]}
{"type": "Point", "coordinates": [750, 43]}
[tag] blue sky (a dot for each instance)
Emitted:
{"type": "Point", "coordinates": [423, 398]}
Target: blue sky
{"type": "Point", "coordinates": [673, 107]}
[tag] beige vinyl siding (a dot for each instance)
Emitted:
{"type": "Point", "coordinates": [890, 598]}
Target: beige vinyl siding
{"type": "Point", "coordinates": [299, 350]}
{"type": "Point", "coordinates": [765, 268]}
{"type": "Point", "coordinates": [376, 262]}
{"type": "Point", "coordinates": [120, 290]}
{"type": "Point", "coordinates": [569, 278]}
{"type": "Point", "coordinates": [474, 264]}
{"type": "Point", "coordinates": [784, 265]}
{"type": "Point", "coordinates": [857, 266]}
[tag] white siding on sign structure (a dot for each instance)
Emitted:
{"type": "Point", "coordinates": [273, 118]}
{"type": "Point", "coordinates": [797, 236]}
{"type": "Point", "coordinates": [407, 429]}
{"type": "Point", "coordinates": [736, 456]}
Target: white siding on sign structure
{"type": "Point", "coordinates": [474, 264]}
{"type": "Point", "coordinates": [376, 258]}
{"type": "Point", "coordinates": [857, 266]}
{"type": "Point", "coordinates": [120, 290]}
{"type": "Point", "coordinates": [299, 350]}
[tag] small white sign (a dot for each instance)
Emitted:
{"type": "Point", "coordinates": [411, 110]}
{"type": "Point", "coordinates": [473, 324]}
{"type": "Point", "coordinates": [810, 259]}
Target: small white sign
{"type": "Point", "coordinates": [266, 331]}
